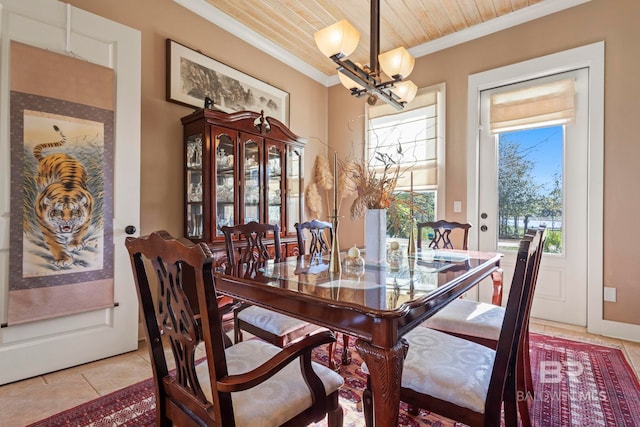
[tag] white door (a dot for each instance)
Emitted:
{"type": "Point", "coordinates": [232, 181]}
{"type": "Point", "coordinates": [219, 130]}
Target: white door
{"type": "Point", "coordinates": [538, 174]}
{"type": "Point", "coordinates": [592, 58]}
{"type": "Point", "coordinates": [38, 347]}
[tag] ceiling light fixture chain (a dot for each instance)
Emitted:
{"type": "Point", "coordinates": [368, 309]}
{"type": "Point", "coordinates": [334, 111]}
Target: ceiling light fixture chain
{"type": "Point", "coordinates": [340, 40]}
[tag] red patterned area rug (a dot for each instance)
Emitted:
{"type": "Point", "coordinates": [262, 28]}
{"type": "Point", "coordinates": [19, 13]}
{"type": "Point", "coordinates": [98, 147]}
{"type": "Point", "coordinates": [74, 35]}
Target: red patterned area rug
{"type": "Point", "coordinates": [576, 384]}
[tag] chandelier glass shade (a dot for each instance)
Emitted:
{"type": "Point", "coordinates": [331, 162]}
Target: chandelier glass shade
{"type": "Point", "coordinates": [348, 83]}
{"type": "Point", "coordinates": [397, 62]}
{"type": "Point", "coordinates": [340, 40]}
{"type": "Point", "coordinates": [405, 90]}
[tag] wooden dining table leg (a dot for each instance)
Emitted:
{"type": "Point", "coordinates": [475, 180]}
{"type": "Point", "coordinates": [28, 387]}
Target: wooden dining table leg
{"type": "Point", "coordinates": [385, 375]}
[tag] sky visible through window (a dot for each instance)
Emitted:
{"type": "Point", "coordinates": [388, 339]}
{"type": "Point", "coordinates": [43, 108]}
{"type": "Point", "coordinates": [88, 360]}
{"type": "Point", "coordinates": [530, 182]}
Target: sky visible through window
{"type": "Point", "coordinates": [543, 146]}
{"type": "Point", "coordinates": [535, 198]}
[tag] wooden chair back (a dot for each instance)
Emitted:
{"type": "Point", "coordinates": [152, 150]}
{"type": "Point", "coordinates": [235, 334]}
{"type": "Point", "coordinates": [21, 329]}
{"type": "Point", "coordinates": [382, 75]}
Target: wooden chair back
{"type": "Point", "coordinates": [250, 245]}
{"type": "Point", "coordinates": [441, 238]}
{"type": "Point", "coordinates": [179, 396]}
{"type": "Point", "coordinates": [318, 243]}
{"type": "Point", "coordinates": [524, 379]}
{"type": "Point", "coordinates": [537, 237]}
{"type": "Point", "coordinates": [502, 386]}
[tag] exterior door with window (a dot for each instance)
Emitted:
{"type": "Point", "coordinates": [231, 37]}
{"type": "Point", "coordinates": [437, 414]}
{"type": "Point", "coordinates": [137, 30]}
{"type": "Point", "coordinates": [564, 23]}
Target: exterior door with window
{"type": "Point", "coordinates": [533, 160]}
{"type": "Point", "coordinates": [42, 345]}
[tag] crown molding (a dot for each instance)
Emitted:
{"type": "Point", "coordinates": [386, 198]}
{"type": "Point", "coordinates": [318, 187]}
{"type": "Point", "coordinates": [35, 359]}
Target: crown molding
{"type": "Point", "coordinates": [520, 16]}
{"type": "Point", "coordinates": [214, 15]}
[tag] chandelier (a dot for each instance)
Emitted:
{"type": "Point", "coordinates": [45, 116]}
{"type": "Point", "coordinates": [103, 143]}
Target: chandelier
{"type": "Point", "coordinates": [339, 40]}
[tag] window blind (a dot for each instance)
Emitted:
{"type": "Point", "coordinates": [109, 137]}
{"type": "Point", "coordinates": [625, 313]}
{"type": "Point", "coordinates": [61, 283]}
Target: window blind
{"type": "Point", "coordinates": [542, 105]}
{"type": "Point", "coordinates": [415, 130]}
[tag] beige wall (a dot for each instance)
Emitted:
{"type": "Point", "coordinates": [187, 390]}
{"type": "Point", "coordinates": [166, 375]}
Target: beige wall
{"type": "Point", "coordinates": [333, 116]}
{"type": "Point", "coordinates": [161, 180]}
{"type": "Point", "coordinates": [615, 22]}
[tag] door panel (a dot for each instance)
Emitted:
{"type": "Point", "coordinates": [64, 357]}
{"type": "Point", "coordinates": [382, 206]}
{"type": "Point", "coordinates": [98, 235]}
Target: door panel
{"type": "Point", "coordinates": [561, 293]}
{"type": "Point", "coordinates": [38, 347]}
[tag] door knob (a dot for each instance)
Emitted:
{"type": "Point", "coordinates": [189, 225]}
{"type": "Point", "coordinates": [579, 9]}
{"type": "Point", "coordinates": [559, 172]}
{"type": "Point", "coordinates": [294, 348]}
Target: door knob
{"type": "Point", "coordinates": [484, 228]}
{"type": "Point", "coordinates": [130, 229]}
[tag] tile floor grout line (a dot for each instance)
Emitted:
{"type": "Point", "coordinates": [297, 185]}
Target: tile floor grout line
{"type": "Point", "coordinates": [91, 385]}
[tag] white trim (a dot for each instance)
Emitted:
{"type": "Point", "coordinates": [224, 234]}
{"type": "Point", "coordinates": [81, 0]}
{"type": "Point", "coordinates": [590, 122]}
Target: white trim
{"type": "Point", "coordinates": [227, 23]}
{"type": "Point", "coordinates": [500, 23]}
{"type": "Point", "coordinates": [216, 16]}
{"type": "Point", "coordinates": [592, 57]}
{"type": "Point", "coordinates": [34, 348]}
{"type": "Point", "coordinates": [441, 201]}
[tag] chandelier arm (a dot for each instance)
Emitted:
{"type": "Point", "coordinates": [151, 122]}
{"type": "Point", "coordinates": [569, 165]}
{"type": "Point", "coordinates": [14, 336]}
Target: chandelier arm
{"type": "Point", "coordinates": [368, 83]}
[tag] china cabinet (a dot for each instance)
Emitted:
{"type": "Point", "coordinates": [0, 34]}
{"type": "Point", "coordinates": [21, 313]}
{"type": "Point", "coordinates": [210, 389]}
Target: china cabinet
{"type": "Point", "coordinates": [240, 167]}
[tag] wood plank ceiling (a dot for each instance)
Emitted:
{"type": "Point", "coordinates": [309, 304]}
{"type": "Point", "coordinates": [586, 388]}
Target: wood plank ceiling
{"type": "Point", "coordinates": [291, 24]}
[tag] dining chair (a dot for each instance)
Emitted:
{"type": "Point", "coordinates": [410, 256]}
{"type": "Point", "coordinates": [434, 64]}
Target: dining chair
{"type": "Point", "coordinates": [248, 249]}
{"type": "Point", "coordinates": [319, 243]}
{"type": "Point", "coordinates": [226, 305]}
{"type": "Point", "coordinates": [441, 238]}
{"type": "Point", "coordinates": [249, 383]}
{"type": "Point", "coordinates": [316, 233]}
{"type": "Point", "coordinates": [463, 380]}
{"type": "Point", "coordinates": [482, 323]}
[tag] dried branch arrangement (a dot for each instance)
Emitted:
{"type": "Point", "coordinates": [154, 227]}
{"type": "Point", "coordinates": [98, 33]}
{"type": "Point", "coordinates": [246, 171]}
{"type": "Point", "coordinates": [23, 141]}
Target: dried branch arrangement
{"type": "Point", "coordinates": [374, 186]}
{"type": "Point", "coordinates": [372, 181]}
{"type": "Point", "coordinates": [324, 183]}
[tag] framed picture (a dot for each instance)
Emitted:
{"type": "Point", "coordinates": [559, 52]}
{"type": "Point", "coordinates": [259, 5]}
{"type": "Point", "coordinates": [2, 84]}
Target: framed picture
{"type": "Point", "coordinates": [192, 76]}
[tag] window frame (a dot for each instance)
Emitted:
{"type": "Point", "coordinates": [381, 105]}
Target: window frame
{"type": "Point", "coordinates": [384, 110]}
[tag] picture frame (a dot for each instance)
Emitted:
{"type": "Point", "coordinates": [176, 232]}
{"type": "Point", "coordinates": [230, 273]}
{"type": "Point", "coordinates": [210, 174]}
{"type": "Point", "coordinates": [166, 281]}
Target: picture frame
{"type": "Point", "coordinates": [193, 76]}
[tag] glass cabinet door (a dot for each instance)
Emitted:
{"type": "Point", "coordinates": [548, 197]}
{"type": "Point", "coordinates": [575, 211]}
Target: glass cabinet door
{"type": "Point", "coordinates": [294, 186]}
{"type": "Point", "coordinates": [236, 171]}
{"type": "Point", "coordinates": [194, 184]}
{"type": "Point", "coordinates": [275, 184]}
{"type": "Point", "coordinates": [224, 207]}
{"type": "Point", "coordinates": [251, 203]}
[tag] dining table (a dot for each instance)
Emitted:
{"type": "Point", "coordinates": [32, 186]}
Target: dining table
{"type": "Point", "coordinates": [376, 304]}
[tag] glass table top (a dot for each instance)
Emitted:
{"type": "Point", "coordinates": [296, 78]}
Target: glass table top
{"type": "Point", "coordinates": [381, 288]}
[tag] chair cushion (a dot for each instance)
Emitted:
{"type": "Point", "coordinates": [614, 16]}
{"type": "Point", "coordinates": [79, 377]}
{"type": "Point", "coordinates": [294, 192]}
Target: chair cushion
{"type": "Point", "coordinates": [448, 368]}
{"type": "Point", "coordinates": [271, 321]}
{"type": "Point", "coordinates": [276, 400]}
{"type": "Point", "coordinates": [476, 319]}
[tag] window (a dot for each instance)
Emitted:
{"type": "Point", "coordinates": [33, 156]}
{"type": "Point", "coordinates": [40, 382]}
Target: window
{"type": "Point", "coordinates": [418, 132]}
{"type": "Point", "coordinates": [529, 123]}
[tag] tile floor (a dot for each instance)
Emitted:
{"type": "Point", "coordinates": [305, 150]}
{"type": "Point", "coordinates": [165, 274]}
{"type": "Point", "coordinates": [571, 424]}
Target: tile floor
{"type": "Point", "coordinates": [65, 389]}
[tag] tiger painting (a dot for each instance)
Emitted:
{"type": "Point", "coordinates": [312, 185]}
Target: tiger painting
{"type": "Point", "coordinates": [64, 204]}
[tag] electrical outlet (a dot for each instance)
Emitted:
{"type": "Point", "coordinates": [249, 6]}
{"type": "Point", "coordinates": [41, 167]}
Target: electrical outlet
{"type": "Point", "coordinates": [457, 206]}
{"type": "Point", "coordinates": [609, 294]}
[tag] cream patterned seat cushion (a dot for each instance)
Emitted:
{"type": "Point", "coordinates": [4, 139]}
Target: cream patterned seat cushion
{"type": "Point", "coordinates": [276, 400]}
{"type": "Point", "coordinates": [270, 321]}
{"type": "Point", "coordinates": [477, 319]}
{"type": "Point", "coordinates": [448, 368]}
